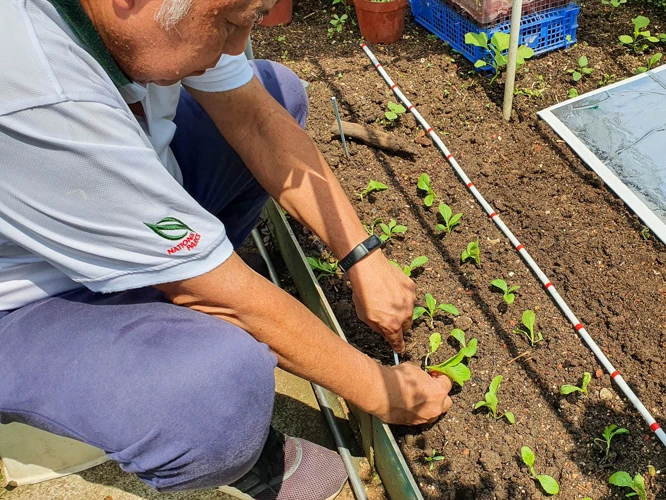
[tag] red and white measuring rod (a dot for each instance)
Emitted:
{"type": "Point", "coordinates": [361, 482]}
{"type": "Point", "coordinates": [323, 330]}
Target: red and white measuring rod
{"type": "Point", "coordinates": [615, 375]}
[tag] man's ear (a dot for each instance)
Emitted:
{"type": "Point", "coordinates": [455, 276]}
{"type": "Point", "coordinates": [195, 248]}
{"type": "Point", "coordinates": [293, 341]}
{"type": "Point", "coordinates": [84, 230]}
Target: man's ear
{"type": "Point", "coordinates": [124, 4]}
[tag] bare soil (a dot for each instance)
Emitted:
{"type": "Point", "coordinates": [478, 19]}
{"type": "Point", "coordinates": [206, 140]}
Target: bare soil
{"type": "Point", "coordinates": [583, 237]}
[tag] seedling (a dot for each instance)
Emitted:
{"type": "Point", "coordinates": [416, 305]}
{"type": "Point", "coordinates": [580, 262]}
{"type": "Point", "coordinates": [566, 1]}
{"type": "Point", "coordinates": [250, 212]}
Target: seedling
{"type": "Point", "coordinates": [615, 4]}
{"type": "Point", "coordinates": [370, 229]}
{"type": "Point", "coordinates": [372, 187]}
{"type": "Point", "coordinates": [282, 38]}
{"type": "Point", "coordinates": [390, 229]}
{"type": "Point", "coordinates": [338, 23]}
{"type": "Point", "coordinates": [394, 110]}
{"type": "Point", "coordinates": [450, 220]}
{"type": "Point", "coordinates": [435, 341]}
{"type": "Point", "coordinates": [529, 318]}
{"type": "Point", "coordinates": [497, 51]}
{"type": "Point", "coordinates": [509, 296]}
{"type": "Point", "coordinates": [454, 367]}
{"type": "Point", "coordinates": [435, 457]}
{"type": "Point", "coordinates": [432, 309]}
{"type": "Point", "coordinates": [409, 268]}
{"type": "Point", "coordinates": [424, 185]}
{"type": "Point", "coordinates": [637, 484]}
{"type": "Point", "coordinates": [606, 79]}
{"type": "Point", "coordinates": [472, 252]}
{"type": "Point", "coordinates": [323, 267]}
{"type": "Point", "coordinates": [535, 91]}
{"type": "Point", "coordinates": [610, 432]}
{"type": "Point", "coordinates": [491, 401]}
{"type": "Point", "coordinates": [569, 389]}
{"type": "Point", "coordinates": [651, 61]}
{"type": "Point", "coordinates": [637, 40]}
{"type": "Point", "coordinates": [572, 93]}
{"type": "Point", "coordinates": [582, 69]}
{"type": "Point", "coordinates": [548, 484]}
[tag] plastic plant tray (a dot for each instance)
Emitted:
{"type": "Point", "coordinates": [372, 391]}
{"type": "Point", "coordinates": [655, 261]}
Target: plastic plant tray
{"type": "Point", "coordinates": [542, 31]}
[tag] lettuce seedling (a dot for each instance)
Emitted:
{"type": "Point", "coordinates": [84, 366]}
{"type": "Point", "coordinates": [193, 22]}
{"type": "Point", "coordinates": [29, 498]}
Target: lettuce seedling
{"type": "Point", "coordinates": [568, 389]}
{"type": "Point", "coordinates": [509, 296]}
{"type": "Point", "coordinates": [582, 69]}
{"type": "Point", "coordinates": [432, 308]}
{"type": "Point", "coordinates": [640, 35]}
{"type": "Point", "coordinates": [391, 229]}
{"type": "Point", "coordinates": [637, 484]}
{"type": "Point", "coordinates": [472, 252]}
{"type": "Point", "coordinates": [650, 63]}
{"type": "Point", "coordinates": [435, 457]}
{"type": "Point", "coordinates": [450, 220]}
{"type": "Point", "coordinates": [529, 318]}
{"type": "Point", "coordinates": [497, 49]}
{"type": "Point", "coordinates": [424, 185]}
{"type": "Point", "coordinates": [393, 111]}
{"type": "Point", "coordinates": [435, 341]}
{"type": "Point", "coordinates": [372, 187]}
{"type": "Point", "coordinates": [417, 262]}
{"type": "Point", "coordinates": [491, 401]}
{"type": "Point", "coordinates": [615, 4]}
{"type": "Point", "coordinates": [370, 228]}
{"type": "Point", "coordinates": [610, 432]}
{"type": "Point", "coordinates": [323, 267]}
{"type": "Point", "coordinates": [548, 484]}
{"type": "Point", "coordinates": [454, 367]}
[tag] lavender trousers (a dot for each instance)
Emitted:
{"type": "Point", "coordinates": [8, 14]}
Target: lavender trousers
{"type": "Point", "coordinates": [181, 399]}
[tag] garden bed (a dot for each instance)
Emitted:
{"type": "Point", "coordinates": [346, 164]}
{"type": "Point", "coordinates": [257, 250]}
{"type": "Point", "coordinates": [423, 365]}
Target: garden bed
{"type": "Point", "coordinates": [580, 234]}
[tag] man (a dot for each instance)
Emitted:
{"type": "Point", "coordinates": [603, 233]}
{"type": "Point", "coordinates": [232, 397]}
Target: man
{"type": "Point", "coordinates": [126, 319]}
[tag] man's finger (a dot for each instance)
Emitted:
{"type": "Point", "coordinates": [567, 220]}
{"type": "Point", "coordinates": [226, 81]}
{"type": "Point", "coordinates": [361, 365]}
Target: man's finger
{"type": "Point", "coordinates": [407, 325]}
{"type": "Point", "coordinates": [448, 403]}
{"type": "Point", "coordinates": [396, 340]}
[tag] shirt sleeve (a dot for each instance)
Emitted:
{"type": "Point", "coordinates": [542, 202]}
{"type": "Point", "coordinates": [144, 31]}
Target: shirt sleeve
{"type": "Point", "coordinates": [230, 73]}
{"type": "Point", "coordinates": [82, 189]}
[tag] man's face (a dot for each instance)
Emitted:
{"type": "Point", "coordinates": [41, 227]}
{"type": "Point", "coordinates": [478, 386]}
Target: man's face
{"type": "Point", "coordinates": [149, 53]}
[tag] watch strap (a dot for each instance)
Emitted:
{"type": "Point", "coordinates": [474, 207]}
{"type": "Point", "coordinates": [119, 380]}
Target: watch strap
{"type": "Point", "coordinates": [361, 250]}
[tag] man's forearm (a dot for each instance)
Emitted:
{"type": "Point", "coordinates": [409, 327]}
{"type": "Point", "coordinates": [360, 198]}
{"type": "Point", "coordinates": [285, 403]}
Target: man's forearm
{"type": "Point", "coordinates": [303, 345]}
{"type": "Point", "coordinates": [286, 162]}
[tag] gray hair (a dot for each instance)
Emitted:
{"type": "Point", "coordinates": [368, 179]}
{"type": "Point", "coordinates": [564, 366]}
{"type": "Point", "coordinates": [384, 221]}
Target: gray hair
{"type": "Point", "coordinates": [171, 12]}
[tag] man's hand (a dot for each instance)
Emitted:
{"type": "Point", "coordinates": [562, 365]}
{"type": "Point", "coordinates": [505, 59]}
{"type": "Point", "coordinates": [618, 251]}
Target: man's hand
{"type": "Point", "coordinates": [415, 397]}
{"type": "Point", "coordinates": [384, 298]}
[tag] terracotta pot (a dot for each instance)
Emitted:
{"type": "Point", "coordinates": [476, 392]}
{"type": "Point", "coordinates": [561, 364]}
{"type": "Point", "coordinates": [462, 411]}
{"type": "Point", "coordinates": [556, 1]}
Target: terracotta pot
{"type": "Point", "coordinates": [381, 22]}
{"type": "Point", "coordinates": [279, 14]}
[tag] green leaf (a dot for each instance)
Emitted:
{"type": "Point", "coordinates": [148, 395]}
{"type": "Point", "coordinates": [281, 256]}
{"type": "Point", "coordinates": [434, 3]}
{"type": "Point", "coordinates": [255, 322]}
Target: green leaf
{"type": "Point", "coordinates": [492, 401]}
{"type": "Point", "coordinates": [395, 264]}
{"type": "Point", "coordinates": [513, 288]}
{"type": "Point", "coordinates": [480, 404]}
{"type": "Point", "coordinates": [548, 484]}
{"type": "Point", "coordinates": [446, 211]}
{"type": "Point", "coordinates": [399, 229]}
{"type": "Point", "coordinates": [639, 486]}
{"type": "Point", "coordinates": [454, 220]}
{"type": "Point", "coordinates": [655, 58]}
{"type": "Point", "coordinates": [480, 63]}
{"type": "Point", "coordinates": [500, 40]}
{"type": "Point", "coordinates": [440, 227]}
{"type": "Point", "coordinates": [424, 182]}
{"type": "Point", "coordinates": [428, 200]}
{"type": "Point", "coordinates": [430, 302]}
{"type": "Point", "coordinates": [640, 22]}
{"type": "Point", "coordinates": [470, 350]}
{"type": "Point", "coordinates": [569, 389]}
{"type": "Point", "coordinates": [587, 71]}
{"type": "Point", "coordinates": [494, 385]}
{"type": "Point", "coordinates": [524, 53]}
{"type": "Point", "coordinates": [459, 335]}
{"type": "Point", "coordinates": [626, 39]}
{"type": "Point", "coordinates": [509, 298]}
{"type": "Point", "coordinates": [528, 456]}
{"type": "Point", "coordinates": [175, 225]}
{"type": "Point", "coordinates": [449, 308]}
{"type": "Point", "coordinates": [510, 417]}
{"type": "Point", "coordinates": [499, 283]}
{"type": "Point", "coordinates": [464, 255]}
{"type": "Point", "coordinates": [477, 39]}
{"type": "Point", "coordinates": [385, 228]}
{"type": "Point", "coordinates": [587, 377]}
{"type": "Point", "coordinates": [529, 318]}
{"type": "Point", "coordinates": [458, 373]}
{"type": "Point", "coordinates": [435, 342]}
{"type": "Point", "coordinates": [621, 479]}
{"type": "Point", "coordinates": [572, 93]}
{"type": "Point", "coordinates": [390, 115]}
{"type": "Point", "coordinates": [582, 61]}
{"type": "Point", "coordinates": [418, 312]}
{"type": "Point", "coordinates": [419, 261]}
{"type": "Point", "coordinates": [396, 108]}
{"type": "Point", "coordinates": [576, 76]}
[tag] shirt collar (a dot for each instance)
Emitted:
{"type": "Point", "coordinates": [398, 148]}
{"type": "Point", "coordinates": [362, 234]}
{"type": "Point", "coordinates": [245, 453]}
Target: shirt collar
{"type": "Point", "coordinates": [77, 19]}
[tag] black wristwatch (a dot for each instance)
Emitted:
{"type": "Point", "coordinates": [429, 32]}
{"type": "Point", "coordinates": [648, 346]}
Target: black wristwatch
{"type": "Point", "coordinates": [361, 250]}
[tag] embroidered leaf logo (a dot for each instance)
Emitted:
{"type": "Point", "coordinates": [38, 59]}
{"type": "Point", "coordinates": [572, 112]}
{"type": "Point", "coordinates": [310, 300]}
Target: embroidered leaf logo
{"type": "Point", "coordinates": [168, 225]}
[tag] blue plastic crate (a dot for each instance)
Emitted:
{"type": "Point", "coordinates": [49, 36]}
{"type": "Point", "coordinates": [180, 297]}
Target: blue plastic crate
{"type": "Point", "coordinates": [543, 31]}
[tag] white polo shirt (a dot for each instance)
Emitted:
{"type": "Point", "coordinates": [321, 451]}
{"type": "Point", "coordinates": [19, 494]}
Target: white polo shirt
{"type": "Point", "coordinates": [88, 195]}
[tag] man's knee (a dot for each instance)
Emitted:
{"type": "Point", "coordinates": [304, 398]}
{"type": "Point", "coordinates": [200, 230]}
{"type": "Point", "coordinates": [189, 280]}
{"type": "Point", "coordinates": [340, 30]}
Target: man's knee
{"type": "Point", "coordinates": [285, 87]}
{"type": "Point", "coordinates": [211, 417]}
